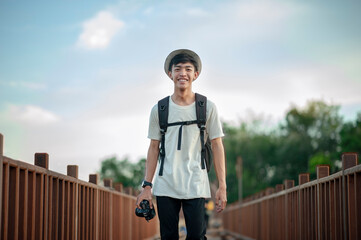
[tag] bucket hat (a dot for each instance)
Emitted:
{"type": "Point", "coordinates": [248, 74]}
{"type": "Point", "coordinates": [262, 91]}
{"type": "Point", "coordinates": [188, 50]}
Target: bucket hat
{"type": "Point", "coordinates": [182, 51]}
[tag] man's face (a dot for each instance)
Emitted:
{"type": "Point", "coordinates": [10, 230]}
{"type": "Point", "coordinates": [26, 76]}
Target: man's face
{"type": "Point", "coordinates": [183, 74]}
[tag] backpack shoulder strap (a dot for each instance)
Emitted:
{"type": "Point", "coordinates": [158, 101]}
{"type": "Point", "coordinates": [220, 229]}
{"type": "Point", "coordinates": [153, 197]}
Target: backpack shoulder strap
{"type": "Point", "coordinates": [201, 109]}
{"type": "Point", "coordinates": [163, 111]}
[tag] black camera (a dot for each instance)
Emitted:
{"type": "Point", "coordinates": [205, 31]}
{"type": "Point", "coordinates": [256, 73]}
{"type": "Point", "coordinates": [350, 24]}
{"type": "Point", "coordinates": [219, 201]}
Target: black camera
{"type": "Point", "coordinates": [145, 210]}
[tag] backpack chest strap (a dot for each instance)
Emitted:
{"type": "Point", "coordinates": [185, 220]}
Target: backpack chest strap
{"type": "Point", "coordinates": [180, 133]}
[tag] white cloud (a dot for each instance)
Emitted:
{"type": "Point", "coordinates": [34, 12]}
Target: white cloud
{"type": "Point", "coordinates": [99, 31]}
{"type": "Point", "coordinates": [32, 115]}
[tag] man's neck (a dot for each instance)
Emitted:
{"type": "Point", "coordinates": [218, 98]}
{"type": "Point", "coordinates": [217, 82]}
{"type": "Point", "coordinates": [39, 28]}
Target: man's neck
{"type": "Point", "coordinates": [183, 98]}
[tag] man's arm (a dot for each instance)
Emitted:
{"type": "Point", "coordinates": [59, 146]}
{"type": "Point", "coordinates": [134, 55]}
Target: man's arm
{"type": "Point", "coordinates": [150, 166]}
{"type": "Point", "coordinates": [220, 167]}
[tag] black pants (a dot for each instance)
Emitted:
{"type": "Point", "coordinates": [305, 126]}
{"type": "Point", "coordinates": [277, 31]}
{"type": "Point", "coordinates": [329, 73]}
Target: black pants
{"type": "Point", "coordinates": [168, 214]}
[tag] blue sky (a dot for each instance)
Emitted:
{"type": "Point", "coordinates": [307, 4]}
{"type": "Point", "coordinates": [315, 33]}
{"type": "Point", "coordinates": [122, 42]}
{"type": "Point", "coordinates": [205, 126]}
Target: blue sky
{"type": "Point", "coordinates": [78, 78]}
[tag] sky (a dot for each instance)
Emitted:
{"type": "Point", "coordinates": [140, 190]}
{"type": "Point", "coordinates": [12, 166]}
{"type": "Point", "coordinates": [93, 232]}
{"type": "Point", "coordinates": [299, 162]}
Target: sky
{"type": "Point", "coordinates": [78, 78]}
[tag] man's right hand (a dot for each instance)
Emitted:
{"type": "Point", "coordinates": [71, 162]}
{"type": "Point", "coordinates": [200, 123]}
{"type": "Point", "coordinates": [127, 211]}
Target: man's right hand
{"type": "Point", "coordinates": [146, 194]}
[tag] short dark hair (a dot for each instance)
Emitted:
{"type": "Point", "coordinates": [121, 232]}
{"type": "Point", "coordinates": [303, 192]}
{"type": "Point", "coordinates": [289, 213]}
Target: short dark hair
{"type": "Point", "coordinates": [183, 58]}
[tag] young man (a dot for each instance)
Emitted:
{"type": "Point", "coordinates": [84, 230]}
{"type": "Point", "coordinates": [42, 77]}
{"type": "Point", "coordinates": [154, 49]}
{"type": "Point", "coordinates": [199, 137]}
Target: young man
{"type": "Point", "coordinates": [181, 181]}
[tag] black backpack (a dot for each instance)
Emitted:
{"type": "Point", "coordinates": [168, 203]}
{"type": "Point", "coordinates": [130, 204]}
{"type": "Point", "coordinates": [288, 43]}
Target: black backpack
{"type": "Point", "coordinates": [201, 112]}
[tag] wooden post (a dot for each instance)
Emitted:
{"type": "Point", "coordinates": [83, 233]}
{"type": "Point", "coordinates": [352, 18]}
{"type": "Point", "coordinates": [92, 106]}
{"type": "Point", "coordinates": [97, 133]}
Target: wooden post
{"type": "Point", "coordinates": [349, 160]}
{"type": "Point", "coordinates": [108, 182]}
{"type": "Point", "coordinates": [119, 187]}
{"type": "Point", "coordinates": [269, 191]}
{"type": "Point", "coordinates": [289, 183]}
{"type": "Point", "coordinates": [94, 178]}
{"type": "Point", "coordinates": [72, 171]}
{"type": "Point", "coordinates": [303, 178]}
{"type": "Point", "coordinates": [280, 187]}
{"type": "Point", "coordinates": [323, 171]}
{"type": "Point", "coordinates": [41, 160]}
{"type": "Point", "coordinates": [128, 190]}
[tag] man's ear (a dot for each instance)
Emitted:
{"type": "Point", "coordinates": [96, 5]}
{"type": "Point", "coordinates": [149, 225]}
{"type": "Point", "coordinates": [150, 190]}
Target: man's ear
{"type": "Point", "coordinates": [170, 74]}
{"type": "Point", "coordinates": [196, 74]}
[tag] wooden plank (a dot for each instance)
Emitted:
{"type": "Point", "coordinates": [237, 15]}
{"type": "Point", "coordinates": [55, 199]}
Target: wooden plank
{"type": "Point", "coordinates": [97, 214]}
{"type": "Point", "coordinates": [352, 231]}
{"type": "Point", "coordinates": [1, 183]}
{"type": "Point", "coordinates": [327, 209]}
{"type": "Point", "coordinates": [87, 211]}
{"type": "Point", "coordinates": [39, 206]}
{"type": "Point", "coordinates": [332, 219]}
{"type": "Point", "coordinates": [56, 208]}
{"type": "Point", "coordinates": [17, 203]}
{"type": "Point", "coordinates": [50, 207]}
{"type": "Point", "coordinates": [80, 211]}
{"type": "Point", "coordinates": [91, 214]}
{"type": "Point", "coordinates": [12, 212]}
{"type": "Point", "coordinates": [358, 203]}
{"type": "Point", "coordinates": [83, 215]}
{"type": "Point", "coordinates": [62, 210]}
{"type": "Point", "coordinates": [74, 210]}
{"type": "Point", "coordinates": [46, 206]}
{"type": "Point", "coordinates": [32, 205]}
{"type": "Point", "coordinates": [5, 199]}
{"type": "Point", "coordinates": [23, 207]}
{"type": "Point", "coordinates": [67, 209]}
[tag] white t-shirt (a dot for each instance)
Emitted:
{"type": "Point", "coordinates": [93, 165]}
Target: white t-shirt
{"type": "Point", "coordinates": [183, 176]}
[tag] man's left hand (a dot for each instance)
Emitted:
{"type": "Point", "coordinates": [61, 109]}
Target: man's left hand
{"type": "Point", "coordinates": [221, 199]}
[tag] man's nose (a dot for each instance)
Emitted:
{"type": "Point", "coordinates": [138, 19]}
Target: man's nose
{"type": "Point", "coordinates": [182, 72]}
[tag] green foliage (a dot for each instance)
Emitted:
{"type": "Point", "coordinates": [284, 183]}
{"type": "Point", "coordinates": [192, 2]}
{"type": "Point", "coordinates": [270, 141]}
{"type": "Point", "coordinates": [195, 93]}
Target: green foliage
{"type": "Point", "coordinates": [309, 131]}
{"type": "Point", "coordinates": [125, 172]}
{"type": "Point", "coordinates": [308, 137]}
{"type": "Point", "coordinates": [257, 150]}
{"type": "Point", "coordinates": [318, 159]}
{"type": "Point", "coordinates": [351, 136]}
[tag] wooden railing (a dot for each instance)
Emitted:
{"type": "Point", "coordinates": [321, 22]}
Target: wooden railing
{"type": "Point", "coordinates": [37, 203]}
{"type": "Point", "coordinates": [326, 208]}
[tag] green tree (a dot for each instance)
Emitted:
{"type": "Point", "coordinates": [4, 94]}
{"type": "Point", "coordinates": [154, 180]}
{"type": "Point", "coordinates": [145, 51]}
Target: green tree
{"type": "Point", "coordinates": [125, 172]}
{"type": "Point", "coordinates": [351, 136]}
{"type": "Point", "coordinates": [294, 147]}
{"type": "Point", "coordinates": [257, 150]}
{"type": "Point", "coordinates": [307, 132]}
{"type": "Point", "coordinates": [318, 159]}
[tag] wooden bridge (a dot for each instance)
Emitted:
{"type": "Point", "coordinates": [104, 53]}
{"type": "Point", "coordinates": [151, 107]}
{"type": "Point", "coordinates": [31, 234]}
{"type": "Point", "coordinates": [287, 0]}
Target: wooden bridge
{"type": "Point", "coordinates": [325, 208]}
{"type": "Point", "coordinates": [37, 203]}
